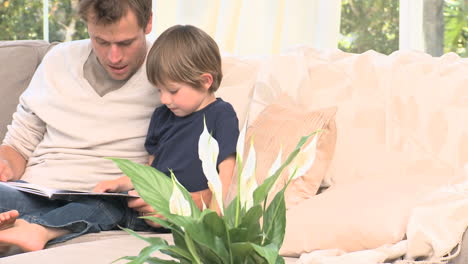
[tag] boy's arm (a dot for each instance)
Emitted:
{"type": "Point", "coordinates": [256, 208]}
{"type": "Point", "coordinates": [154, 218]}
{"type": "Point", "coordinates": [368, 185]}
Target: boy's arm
{"type": "Point", "coordinates": [226, 170]}
{"type": "Point", "coordinates": [150, 160]}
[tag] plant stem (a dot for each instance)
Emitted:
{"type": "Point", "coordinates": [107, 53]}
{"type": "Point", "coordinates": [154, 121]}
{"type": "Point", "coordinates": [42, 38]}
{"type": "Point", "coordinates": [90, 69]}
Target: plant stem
{"type": "Point", "coordinates": [238, 205]}
{"type": "Point", "coordinates": [263, 218]}
{"type": "Point", "coordinates": [231, 260]}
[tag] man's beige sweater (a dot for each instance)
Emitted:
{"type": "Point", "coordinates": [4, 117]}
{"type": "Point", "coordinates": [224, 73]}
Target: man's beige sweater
{"type": "Point", "coordinates": [64, 128]}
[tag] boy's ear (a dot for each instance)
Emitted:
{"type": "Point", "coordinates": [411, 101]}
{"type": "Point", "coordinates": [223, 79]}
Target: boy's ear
{"type": "Point", "coordinates": [207, 80]}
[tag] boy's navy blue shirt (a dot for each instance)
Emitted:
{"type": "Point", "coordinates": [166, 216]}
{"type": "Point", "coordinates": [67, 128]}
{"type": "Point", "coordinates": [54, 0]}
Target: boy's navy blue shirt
{"type": "Point", "coordinates": [173, 141]}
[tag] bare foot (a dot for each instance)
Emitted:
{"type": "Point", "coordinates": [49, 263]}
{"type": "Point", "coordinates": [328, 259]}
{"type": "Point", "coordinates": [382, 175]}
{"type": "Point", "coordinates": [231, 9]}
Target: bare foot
{"type": "Point", "coordinates": [7, 219]}
{"type": "Point", "coordinates": [22, 234]}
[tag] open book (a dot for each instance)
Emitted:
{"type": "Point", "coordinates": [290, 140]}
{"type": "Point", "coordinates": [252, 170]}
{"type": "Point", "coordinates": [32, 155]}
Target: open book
{"type": "Point", "coordinates": [58, 194]}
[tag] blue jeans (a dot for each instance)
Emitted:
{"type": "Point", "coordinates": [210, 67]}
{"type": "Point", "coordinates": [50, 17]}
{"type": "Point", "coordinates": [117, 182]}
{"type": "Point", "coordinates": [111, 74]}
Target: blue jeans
{"type": "Point", "coordinates": [87, 215]}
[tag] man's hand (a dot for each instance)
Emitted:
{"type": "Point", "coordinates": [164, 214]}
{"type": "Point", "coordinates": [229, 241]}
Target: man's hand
{"type": "Point", "coordinates": [6, 173]}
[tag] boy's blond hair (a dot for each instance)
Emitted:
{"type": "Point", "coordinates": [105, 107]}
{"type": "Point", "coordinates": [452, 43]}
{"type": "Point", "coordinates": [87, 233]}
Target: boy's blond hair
{"type": "Point", "coordinates": [183, 53]}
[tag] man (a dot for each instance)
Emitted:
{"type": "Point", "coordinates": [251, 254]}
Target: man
{"type": "Point", "coordinates": [88, 99]}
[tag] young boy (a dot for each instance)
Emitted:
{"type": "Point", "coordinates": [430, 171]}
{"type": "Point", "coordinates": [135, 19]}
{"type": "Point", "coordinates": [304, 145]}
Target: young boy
{"type": "Point", "coordinates": [184, 64]}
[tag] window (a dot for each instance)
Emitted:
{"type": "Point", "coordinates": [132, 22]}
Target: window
{"type": "Point", "coordinates": [455, 15]}
{"type": "Point", "coordinates": [433, 26]}
{"type": "Point", "coordinates": [24, 19]}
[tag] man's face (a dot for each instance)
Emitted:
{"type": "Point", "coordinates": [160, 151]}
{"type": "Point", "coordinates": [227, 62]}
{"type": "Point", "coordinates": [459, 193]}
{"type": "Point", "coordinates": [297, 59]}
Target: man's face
{"type": "Point", "coordinates": [120, 47]}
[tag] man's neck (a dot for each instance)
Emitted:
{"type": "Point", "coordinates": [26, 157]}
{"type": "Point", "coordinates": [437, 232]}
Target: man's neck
{"type": "Point", "coordinates": [98, 78]}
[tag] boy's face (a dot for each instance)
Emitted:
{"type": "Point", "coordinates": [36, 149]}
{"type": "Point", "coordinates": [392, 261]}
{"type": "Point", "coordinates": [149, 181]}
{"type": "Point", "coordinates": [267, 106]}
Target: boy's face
{"type": "Point", "coordinates": [182, 99]}
{"type": "Point", "coordinates": [120, 47]}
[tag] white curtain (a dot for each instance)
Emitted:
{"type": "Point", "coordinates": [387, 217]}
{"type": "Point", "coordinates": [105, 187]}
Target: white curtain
{"type": "Point", "coordinates": [411, 26]}
{"type": "Point", "coordinates": [260, 27]}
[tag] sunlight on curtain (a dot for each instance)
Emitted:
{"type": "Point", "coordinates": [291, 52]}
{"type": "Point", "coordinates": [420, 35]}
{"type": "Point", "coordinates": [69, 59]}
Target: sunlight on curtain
{"type": "Point", "coordinates": [259, 27]}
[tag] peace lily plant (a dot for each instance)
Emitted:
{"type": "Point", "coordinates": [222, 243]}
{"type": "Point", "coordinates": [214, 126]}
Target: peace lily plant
{"type": "Point", "coordinates": [248, 230]}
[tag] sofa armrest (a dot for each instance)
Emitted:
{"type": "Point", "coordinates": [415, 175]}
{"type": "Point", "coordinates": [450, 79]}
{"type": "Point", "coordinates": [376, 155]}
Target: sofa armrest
{"type": "Point", "coordinates": [20, 59]}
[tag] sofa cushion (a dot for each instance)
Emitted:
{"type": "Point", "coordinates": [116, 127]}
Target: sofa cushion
{"type": "Point", "coordinates": [281, 125]}
{"type": "Point", "coordinates": [428, 113]}
{"type": "Point", "coordinates": [101, 251]}
{"type": "Point", "coordinates": [363, 215]}
{"type": "Point", "coordinates": [19, 59]}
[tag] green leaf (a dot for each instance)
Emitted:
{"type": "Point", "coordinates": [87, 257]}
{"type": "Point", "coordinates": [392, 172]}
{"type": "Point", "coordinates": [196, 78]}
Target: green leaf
{"type": "Point", "coordinates": [154, 260]}
{"type": "Point", "coordinates": [274, 222]}
{"type": "Point", "coordinates": [210, 232]}
{"type": "Point", "coordinates": [246, 250]}
{"type": "Point", "coordinates": [150, 240]}
{"type": "Point", "coordinates": [192, 249]}
{"type": "Point", "coordinates": [178, 236]}
{"type": "Point", "coordinates": [153, 186]}
{"type": "Point", "coordinates": [177, 253]}
{"type": "Point", "coordinates": [151, 260]}
{"type": "Point", "coordinates": [251, 222]}
{"type": "Point", "coordinates": [164, 223]}
{"type": "Point", "coordinates": [213, 223]}
{"type": "Point", "coordinates": [145, 253]}
{"type": "Point", "coordinates": [230, 214]}
{"type": "Point", "coordinates": [279, 260]}
{"type": "Point", "coordinates": [210, 255]}
{"type": "Point", "coordinates": [268, 252]}
{"type": "Point", "coordinates": [238, 234]}
{"type": "Point", "coordinates": [241, 249]}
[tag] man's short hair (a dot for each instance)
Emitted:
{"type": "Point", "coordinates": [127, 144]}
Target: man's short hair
{"type": "Point", "coordinates": [183, 53]}
{"type": "Point", "coordinates": [111, 11]}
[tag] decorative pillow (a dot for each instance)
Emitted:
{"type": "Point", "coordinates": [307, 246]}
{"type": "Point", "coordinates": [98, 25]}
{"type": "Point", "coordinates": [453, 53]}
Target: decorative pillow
{"type": "Point", "coordinates": [357, 216]}
{"type": "Point", "coordinates": [281, 125]}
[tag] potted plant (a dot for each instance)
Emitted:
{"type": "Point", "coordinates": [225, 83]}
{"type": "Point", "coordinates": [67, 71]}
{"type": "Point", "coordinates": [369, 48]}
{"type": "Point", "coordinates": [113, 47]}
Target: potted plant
{"type": "Point", "coordinates": [248, 230]}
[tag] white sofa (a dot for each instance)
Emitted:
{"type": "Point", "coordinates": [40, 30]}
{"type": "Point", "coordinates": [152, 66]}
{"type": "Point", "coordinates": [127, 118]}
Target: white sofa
{"type": "Point", "coordinates": [399, 133]}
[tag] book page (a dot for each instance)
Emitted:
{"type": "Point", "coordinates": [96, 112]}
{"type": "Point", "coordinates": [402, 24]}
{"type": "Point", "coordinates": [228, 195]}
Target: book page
{"type": "Point", "coordinates": [56, 193]}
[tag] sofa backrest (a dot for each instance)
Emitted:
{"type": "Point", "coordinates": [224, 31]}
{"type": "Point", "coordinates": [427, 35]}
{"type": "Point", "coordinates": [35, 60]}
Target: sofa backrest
{"type": "Point", "coordinates": [401, 115]}
{"type": "Point", "coordinates": [19, 60]}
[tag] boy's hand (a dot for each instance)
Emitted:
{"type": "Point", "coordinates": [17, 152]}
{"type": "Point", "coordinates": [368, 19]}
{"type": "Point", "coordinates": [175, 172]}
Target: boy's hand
{"type": "Point", "coordinates": [143, 209]}
{"type": "Point", "coordinates": [6, 173]}
{"type": "Point", "coordinates": [121, 184]}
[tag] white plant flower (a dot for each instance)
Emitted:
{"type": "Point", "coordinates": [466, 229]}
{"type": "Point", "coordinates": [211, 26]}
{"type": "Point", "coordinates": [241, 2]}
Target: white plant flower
{"type": "Point", "coordinates": [248, 182]}
{"type": "Point", "coordinates": [274, 167]}
{"type": "Point", "coordinates": [177, 203]}
{"type": "Point", "coordinates": [304, 159]}
{"type": "Point", "coordinates": [276, 164]}
{"type": "Point", "coordinates": [208, 151]}
{"type": "Point", "coordinates": [240, 143]}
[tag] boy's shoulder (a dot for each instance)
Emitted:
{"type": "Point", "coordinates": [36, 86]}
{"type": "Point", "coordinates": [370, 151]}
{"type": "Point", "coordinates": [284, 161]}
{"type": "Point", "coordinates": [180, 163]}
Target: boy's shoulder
{"type": "Point", "coordinates": [223, 108]}
{"type": "Point", "coordinates": [223, 112]}
{"type": "Point", "coordinates": [223, 105]}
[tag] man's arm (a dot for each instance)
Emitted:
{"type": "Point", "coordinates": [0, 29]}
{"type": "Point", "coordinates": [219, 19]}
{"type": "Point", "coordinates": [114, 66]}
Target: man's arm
{"type": "Point", "coordinates": [12, 164]}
